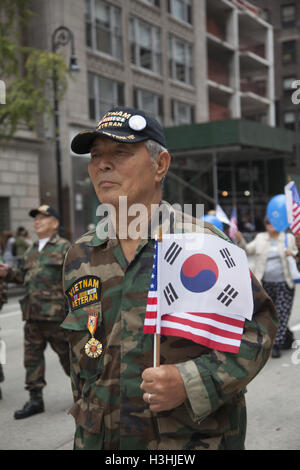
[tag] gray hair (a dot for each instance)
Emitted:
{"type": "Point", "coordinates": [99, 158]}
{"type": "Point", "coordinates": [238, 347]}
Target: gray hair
{"type": "Point", "coordinates": [154, 148]}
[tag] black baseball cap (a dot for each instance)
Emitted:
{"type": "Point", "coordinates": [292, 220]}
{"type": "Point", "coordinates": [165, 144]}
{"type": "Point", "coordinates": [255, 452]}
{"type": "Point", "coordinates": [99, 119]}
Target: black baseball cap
{"type": "Point", "coordinates": [45, 210]}
{"type": "Point", "coordinates": [122, 124]}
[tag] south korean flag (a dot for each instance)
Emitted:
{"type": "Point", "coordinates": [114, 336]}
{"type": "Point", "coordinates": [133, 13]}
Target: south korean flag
{"type": "Point", "coordinates": [202, 273]}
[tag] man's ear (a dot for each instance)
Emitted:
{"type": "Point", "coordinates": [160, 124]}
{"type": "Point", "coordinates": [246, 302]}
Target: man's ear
{"type": "Point", "coordinates": [55, 223]}
{"type": "Point", "coordinates": [163, 161]}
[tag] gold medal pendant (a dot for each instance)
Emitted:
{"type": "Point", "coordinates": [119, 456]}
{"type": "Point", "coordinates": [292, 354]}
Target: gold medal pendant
{"type": "Point", "coordinates": [93, 347]}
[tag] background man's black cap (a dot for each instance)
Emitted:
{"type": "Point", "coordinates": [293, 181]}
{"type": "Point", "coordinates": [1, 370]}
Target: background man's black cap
{"type": "Point", "coordinates": [45, 210]}
{"type": "Point", "coordinates": [122, 124]}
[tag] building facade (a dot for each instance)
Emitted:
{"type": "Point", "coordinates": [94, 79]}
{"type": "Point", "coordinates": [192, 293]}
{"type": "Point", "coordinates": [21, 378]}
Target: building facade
{"type": "Point", "coordinates": [185, 61]}
{"type": "Point", "coordinates": [284, 15]}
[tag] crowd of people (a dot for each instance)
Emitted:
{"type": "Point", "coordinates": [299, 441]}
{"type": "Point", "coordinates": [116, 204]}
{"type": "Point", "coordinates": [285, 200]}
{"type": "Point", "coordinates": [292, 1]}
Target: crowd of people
{"type": "Point", "coordinates": [88, 301]}
{"type": "Point", "coordinates": [13, 246]}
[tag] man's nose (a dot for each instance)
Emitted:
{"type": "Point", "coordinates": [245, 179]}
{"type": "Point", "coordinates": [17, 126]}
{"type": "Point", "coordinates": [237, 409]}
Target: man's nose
{"type": "Point", "coordinates": [105, 163]}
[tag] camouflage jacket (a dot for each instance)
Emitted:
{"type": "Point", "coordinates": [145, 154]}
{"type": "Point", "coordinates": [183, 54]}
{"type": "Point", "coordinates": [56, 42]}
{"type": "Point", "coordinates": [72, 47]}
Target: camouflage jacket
{"type": "Point", "coordinates": [41, 274]}
{"type": "Point", "coordinates": [109, 410]}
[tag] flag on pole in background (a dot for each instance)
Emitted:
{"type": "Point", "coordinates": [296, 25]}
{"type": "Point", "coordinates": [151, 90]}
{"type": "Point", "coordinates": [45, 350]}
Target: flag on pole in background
{"type": "Point", "coordinates": [233, 224]}
{"type": "Point", "coordinates": [220, 214]}
{"type": "Point", "coordinates": [293, 207]}
{"type": "Point", "coordinates": [203, 295]}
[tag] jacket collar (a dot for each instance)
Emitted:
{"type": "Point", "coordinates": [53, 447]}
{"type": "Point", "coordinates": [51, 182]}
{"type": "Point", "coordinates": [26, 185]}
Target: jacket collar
{"type": "Point", "coordinates": [53, 240]}
{"type": "Point", "coordinates": [170, 220]}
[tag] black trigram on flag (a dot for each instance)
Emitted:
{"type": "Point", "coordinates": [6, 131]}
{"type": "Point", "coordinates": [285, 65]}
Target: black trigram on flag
{"type": "Point", "coordinates": [172, 253]}
{"type": "Point", "coordinates": [228, 295]}
{"type": "Point", "coordinates": [227, 257]}
{"type": "Point", "coordinates": [170, 294]}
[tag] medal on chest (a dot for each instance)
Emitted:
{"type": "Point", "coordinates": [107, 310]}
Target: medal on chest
{"type": "Point", "coordinates": [93, 347]}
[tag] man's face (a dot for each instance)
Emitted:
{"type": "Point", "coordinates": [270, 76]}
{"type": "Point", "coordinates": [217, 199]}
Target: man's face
{"type": "Point", "coordinates": [118, 169]}
{"type": "Point", "coordinates": [44, 225]}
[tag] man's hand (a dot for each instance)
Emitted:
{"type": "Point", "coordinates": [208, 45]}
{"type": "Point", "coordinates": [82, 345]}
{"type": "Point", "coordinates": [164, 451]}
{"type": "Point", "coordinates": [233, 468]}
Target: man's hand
{"type": "Point", "coordinates": [165, 386]}
{"type": "Point", "coordinates": [3, 270]}
{"type": "Point", "coordinates": [297, 237]}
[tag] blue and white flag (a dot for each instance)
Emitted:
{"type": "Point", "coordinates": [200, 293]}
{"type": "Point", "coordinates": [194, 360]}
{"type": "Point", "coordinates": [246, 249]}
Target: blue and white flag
{"type": "Point", "coordinates": [233, 224]}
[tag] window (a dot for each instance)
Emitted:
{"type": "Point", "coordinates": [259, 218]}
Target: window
{"type": "Point", "coordinates": [103, 28]}
{"type": "Point", "coordinates": [288, 15]}
{"type": "Point", "coordinates": [265, 14]}
{"type": "Point", "coordinates": [104, 94]}
{"type": "Point", "coordinates": [4, 214]}
{"type": "Point", "coordinates": [155, 3]}
{"type": "Point", "coordinates": [149, 102]}
{"type": "Point", "coordinates": [288, 52]}
{"type": "Point", "coordinates": [180, 60]}
{"type": "Point", "coordinates": [289, 120]}
{"type": "Point", "coordinates": [182, 113]}
{"type": "Point", "coordinates": [287, 84]}
{"type": "Point", "coordinates": [181, 9]}
{"type": "Point", "coordinates": [145, 45]}
{"type": "Point", "coordinates": [88, 24]}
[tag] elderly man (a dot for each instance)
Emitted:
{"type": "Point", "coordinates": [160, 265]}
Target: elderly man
{"type": "Point", "coordinates": [195, 399]}
{"type": "Point", "coordinates": [43, 305]}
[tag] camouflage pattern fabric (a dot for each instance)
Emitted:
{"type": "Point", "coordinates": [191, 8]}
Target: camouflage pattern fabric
{"type": "Point", "coordinates": [37, 335]}
{"type": "Point", "coordinates": [41, 274]}
{"type": "Point", "coordinates": [43, 307]}
{"type": "Point", "coordinates": [108, 408]}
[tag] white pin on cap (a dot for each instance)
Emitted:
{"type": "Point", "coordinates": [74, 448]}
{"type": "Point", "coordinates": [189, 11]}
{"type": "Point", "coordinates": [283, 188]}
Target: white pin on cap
{"type": "Point", "coordinates": [137, 122]}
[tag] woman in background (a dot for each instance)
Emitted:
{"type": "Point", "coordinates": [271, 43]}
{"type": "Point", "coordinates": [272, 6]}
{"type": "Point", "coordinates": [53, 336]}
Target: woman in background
{"type": "Point", "coordinates": [271, 268]}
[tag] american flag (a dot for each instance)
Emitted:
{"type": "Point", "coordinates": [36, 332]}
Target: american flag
{"type": "Point", "coordinates": [233, 224]}
{"type": "Point", "coordinates": [151, 310]}
{"type": "Point", "coordinates": [293, 207]}
{"type": "Point", "coordinates": [215, 331]}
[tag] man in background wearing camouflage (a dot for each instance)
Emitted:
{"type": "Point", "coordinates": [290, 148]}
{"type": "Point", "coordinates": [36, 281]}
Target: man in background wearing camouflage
{"type": "Point", "coordinates": [195, 399]}
{"type": "Point", "coordinates": [43, 305]}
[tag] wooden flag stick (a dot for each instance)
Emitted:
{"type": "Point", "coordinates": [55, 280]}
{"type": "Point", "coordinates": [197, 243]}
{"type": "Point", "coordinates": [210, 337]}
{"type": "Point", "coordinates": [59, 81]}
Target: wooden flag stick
{"type": "Point", "coordinates": [156, 361]}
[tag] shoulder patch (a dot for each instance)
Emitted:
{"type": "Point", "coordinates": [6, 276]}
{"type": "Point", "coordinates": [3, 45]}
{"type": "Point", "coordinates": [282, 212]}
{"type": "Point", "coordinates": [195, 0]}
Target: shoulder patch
{"type": "Point", "coordinates": [86, 237]}
{"type": "Point", "coordinates": [84, 291]}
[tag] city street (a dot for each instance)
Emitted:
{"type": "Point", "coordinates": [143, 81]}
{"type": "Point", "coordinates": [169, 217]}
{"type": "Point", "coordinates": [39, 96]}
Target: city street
{"type": "Point", "coordinates": [50, 430]}
{"type": "Point", "coordinates": [272, 398]}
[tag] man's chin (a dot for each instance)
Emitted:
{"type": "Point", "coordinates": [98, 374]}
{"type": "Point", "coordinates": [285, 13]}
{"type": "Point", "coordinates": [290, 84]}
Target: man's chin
{"type": "Point", "coordinates": [111, 199]}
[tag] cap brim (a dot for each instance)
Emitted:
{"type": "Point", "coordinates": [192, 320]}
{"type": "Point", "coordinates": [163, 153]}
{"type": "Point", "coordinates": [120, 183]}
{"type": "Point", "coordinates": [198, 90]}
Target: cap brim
{"type": "Point", "coordinates": [82, 142]}
{"type": "Point", "coordinates": [34, 212]}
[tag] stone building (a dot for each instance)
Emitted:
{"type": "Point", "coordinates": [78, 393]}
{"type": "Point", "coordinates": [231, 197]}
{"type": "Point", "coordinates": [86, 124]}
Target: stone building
{"type": "Point", "coordinates": [186, 61]}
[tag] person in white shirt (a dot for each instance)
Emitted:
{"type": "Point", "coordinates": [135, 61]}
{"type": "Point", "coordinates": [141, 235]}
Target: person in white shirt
{"type": "Point", "coordinates": [43, 306]}
{"type": "Point", "coordinates": [271, 268]}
